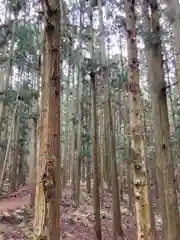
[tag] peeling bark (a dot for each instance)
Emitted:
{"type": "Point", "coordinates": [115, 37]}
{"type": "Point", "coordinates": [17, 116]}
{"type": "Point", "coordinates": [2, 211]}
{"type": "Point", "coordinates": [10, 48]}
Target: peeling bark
{"type": "Point", "coordinates": [47, 219]}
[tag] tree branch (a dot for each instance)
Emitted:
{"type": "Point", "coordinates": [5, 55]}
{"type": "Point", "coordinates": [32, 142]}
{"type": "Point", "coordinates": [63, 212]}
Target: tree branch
{"type": "Point", "coordinates": [4, 40]}
{"type": "Point", "coordinates": [49, 10]}
{"type": "Point", "coordinates": [48, 7]}
{"type": "Point", "coordinates": [170, 85]}
{"type": "Point", "coordinates": [6, 25]}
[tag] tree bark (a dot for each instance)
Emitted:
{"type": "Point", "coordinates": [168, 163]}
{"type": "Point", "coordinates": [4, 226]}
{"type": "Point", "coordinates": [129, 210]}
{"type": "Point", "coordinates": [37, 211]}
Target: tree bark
{"type": "Point", "coordinates": [96, 193]}
{"type": "Point", "coordinates": [136, 128]}
{"type": "Point", "coordinates": [47, 212]}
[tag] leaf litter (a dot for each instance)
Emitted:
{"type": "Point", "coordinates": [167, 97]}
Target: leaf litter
{"type": "Point", "coordinates": [16, 218]}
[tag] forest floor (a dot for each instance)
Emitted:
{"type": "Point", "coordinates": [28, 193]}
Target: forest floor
{"type": "Point", "coordinates": [16, 218]}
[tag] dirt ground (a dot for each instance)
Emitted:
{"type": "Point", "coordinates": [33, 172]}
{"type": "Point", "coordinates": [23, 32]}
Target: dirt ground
{"type": "Point", "coordinates": [16, 218]}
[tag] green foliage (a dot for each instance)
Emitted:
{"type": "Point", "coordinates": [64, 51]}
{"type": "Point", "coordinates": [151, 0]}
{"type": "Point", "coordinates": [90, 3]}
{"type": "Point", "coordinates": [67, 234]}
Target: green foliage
{"type": "Point", "coordinates": [85, 153]}
{"type": "Point", "coordinates": [152, 38]}
{"type": "Point", "coordinates": [25, 93]}
{"type": "Point", "coordinates": [23, 96]}
{"type": "Point", "coordinates": [86, 138]}
{"type": "Point", "coordinates": [8, 95]}
{"type": "Point", "coordinates": [176, 136]}
{"type": "Point", "coordinates": [27, 45]}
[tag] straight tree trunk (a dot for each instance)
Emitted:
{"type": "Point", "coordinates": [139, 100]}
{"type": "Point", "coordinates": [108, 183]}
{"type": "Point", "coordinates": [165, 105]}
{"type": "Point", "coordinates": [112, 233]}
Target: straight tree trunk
{"type": "Point", "coordinates": [101, 123]}
{"type": "Point", "coordinates": [79, 113]}
{"type": "Point", "coordinates": [129, 157]}
{"type": "Point", "coordinates": [174, 13]}
{"type": "Point", "coordinates": [117, 227]}
{"type": "Point", "coordinates": [15, 154]}
{"type": "Point", "coordinates": [47, 212]}
{"type": "Point", "coordinates": [136, 128]}
{"type": "Point", "coordinates": [89, 161]}
{"type": "Point", "coordinates": [33, 163]}
{"type": "Point", "coordinates": [96, 193]}
{"type": "Point", "coordinates": [162, 132]}
{"type": "Point", "coordinates": [65, 159]}
{"type": "Point", "coordinates": [6, 159]}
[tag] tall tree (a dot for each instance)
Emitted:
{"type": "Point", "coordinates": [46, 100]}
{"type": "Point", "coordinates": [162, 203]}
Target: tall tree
{"type": "Point", "coordinates": [165, 171]}
{"type": "Point", "coordinates": [96, 194]}
{"type": "Point", "coordinates": [173, 14]}
{"type": "Point", "coordinates": [136, 127]}
{"type": "Point", "coordinates": [46, 224]}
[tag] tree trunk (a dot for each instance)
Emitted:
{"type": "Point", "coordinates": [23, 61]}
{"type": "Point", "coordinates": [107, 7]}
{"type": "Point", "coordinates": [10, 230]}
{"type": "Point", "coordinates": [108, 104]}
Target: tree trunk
{"type": "Point", "coordinates": [96, 194]}
{"type": "Point", "coordinates": [7, 149]}
{"type": "Point", "coordinates": [65, 159]}
{"type": "Point", "coordinates": [101, 123]}
{"type": "Point", "coordinates": [13, 176]}
{"type": "Point", "coordinates": [117, 227]}
{"type": "Point", "coordinates": [136, 128]}
{"type": "Point", "coordinates": [162, 132]}
{"type": "Point", "coordinates": [33, 163]}
{"type": "Point", "coordinates": [47, 212]}
{"type": "Point", "coordinates": [174, 12]}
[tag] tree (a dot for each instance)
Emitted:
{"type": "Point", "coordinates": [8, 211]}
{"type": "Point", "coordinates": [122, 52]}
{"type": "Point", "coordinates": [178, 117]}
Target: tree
{"type": "Point", "coordinates": [165, 171]}
{"type": "Point", "coordinates": [46, 222]}
{"type": "Point", "coordinates": [173, 15]}
{"type": "Point", "coordinates": [96, 194]}
{"type": "Point", "coordinates": [136, 127]}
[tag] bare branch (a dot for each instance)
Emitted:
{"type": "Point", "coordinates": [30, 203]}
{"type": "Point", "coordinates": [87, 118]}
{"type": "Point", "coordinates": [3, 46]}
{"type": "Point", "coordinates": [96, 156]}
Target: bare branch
{"type": "Point", "coordinates": [170, 85]}
{"type": "Point", "coordinates": [6, 25]}
{"type": "Point", "coordinates": [4, 40]}
{"type": "Point", "coordinates": [49, 10]}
